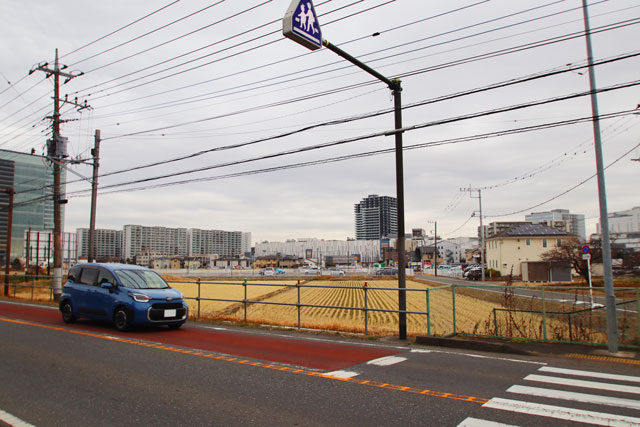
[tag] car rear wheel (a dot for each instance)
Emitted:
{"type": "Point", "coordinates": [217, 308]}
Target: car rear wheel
{"type": "Point", "coordinates": [121, 319]}
{"type": "Point", "coordinates": [67, 313]}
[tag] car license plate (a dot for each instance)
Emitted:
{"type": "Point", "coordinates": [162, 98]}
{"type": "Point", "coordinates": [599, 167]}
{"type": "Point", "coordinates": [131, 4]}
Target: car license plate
{"type": "Point", "coordinates": [170, 313]}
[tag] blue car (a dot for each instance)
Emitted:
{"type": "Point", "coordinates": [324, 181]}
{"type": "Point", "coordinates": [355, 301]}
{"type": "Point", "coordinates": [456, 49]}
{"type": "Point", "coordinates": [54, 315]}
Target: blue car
{"type": "Point", "coordinates": [127, 295]}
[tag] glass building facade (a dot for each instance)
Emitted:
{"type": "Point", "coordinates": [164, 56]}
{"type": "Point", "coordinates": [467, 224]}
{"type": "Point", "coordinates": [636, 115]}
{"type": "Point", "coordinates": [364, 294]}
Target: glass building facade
{"type": "Point", "coordinates": [31, 177]}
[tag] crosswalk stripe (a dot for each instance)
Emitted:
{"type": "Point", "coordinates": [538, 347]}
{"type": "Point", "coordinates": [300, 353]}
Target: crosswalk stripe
{"type": "Point", "coordinates": [342, 374]}
{"type": "Point", "coordinates": [590, 374]}
{"type": "Point", "coordinates": [584, 384]}
{"type": "Point", "coordinates": [386, 361]}
{"type": "Point", "coordinates": [576, 397]}
{"type": "Point", "coordinates": [561, 413]}
{"type": "Point", "coordinates": [476, 422]}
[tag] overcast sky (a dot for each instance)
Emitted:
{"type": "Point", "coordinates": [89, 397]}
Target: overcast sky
{"type": "Point", "coordinates": [195, 78]}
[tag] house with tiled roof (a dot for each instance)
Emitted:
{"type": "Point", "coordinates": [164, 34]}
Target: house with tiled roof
{"type": "Point", "coordinates": [520, 245]}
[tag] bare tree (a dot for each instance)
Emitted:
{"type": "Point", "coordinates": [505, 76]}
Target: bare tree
{"type": "Point", "coordinates": [571, 251]}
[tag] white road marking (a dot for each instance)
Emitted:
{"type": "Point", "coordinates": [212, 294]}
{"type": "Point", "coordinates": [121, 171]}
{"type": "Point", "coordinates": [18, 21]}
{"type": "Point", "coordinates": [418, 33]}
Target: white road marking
{"type": "Point", "coordinates": [585, 384]}
{"type": "Point", "coordinates": [342, 374]}
{"type": "Point", "coordinates": [590, 374]}
{"type": "Point", "coordinates": [386, 361]}
{"type": "Point", "coordinates": [476, 422]}
{"type": "Point", "coordinates": [7, 418]}
{"type": "Point", "coordinates": [576, 397]}
{"type": "Point", "coordinates": [561, 413]}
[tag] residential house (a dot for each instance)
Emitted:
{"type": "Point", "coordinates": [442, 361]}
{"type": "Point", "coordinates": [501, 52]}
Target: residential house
{"type": "Point", "coordinates": [507, 251]}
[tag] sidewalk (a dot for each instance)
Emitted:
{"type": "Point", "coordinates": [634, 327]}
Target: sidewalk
{"type": "Point", "coordinates": [531, 348]}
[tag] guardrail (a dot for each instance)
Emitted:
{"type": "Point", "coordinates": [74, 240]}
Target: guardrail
{"type": "Point", "coordinates": [31, 287]}
{"type": "Point", "coordinates": [549, 314]}
{"type": "Point", "coordinates": [540, 313]}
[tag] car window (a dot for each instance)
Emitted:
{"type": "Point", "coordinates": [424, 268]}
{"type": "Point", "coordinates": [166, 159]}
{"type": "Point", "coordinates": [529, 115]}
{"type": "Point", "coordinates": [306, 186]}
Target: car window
{"type": "Point", "coordinates": [89, 276]}
{"type": "Point", "coordinates": [141, 279]}
{"type": "Point", "coordinates": [74, 273]}
{"type": "Point", "coordinates": [105, 277]}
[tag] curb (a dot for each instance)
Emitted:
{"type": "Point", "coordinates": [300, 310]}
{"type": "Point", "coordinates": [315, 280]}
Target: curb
{"type": "Point", "coordinates": [472, 345]}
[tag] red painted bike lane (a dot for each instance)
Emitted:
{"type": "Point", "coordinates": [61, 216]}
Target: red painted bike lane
{"type": "Point", "coordinates": [320, 355]}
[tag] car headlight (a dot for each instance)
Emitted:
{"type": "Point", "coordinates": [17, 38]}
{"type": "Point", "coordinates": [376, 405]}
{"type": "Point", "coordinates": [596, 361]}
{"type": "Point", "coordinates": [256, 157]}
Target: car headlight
{"type": "Point", "coordinates": [139, 297]}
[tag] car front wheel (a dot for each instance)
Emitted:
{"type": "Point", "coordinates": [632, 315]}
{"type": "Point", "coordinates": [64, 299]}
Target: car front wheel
{"type": "Point", "coordinates": [67, 313]}
{"type": "Point", "coordinates": [122, 319]}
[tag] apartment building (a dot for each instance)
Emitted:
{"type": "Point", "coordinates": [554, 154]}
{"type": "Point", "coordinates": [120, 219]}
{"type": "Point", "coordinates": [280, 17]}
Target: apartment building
{"type": "Point", "coordinates": [561, 219]}
{"type": "Point", "coordinates": [376, 217]}
{"type": "Point", "coordinates": [107, 243]}
{"type": "Point", "coordinates": [164, 240]}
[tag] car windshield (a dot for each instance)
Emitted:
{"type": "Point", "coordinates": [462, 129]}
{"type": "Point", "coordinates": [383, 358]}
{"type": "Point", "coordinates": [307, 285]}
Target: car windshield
{"type": "Point", "coordinates": [141, 279]}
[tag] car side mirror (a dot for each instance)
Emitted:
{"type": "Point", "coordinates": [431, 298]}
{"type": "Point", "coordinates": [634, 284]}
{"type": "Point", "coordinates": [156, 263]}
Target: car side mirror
{"type": "Point", "coordinates": [106, 285]}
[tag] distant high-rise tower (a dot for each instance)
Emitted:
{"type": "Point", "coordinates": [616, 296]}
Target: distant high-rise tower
{"type": "Point", "coordinates": [376, 217]}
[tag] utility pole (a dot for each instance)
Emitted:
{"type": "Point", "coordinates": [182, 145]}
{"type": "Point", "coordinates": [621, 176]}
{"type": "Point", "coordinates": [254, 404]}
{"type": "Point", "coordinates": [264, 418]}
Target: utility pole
{"type": "Point", "coordinates": [94, 196]}
{"type": "Point", "coordinates": [479, 197]}
{"type": "Point", "coordinates": [612, 321]}
{"type": "Point", "coordinates": [57, 151]}
{"type": "Point", "coordinates": [7, 257]}
{"type": "Point", "coordinates": [435, 247]}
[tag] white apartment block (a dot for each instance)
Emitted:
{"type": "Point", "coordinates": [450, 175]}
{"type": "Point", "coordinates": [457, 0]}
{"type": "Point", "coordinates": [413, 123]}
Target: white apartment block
{"type": "Point", "coordinates": [624, 228]}
{"type": "Point", "coordinates": [223, 243]}
{"type": "Point", "coordinates": [624, 221]}
{"type": "Point", "coordinates": [316, 249]}
{"type": "Point", "coordinates": [164, 240]}
{"type": "Point", "coordinates": [561, 219]}
{"type": "Point", "coordinates": [107, 243]}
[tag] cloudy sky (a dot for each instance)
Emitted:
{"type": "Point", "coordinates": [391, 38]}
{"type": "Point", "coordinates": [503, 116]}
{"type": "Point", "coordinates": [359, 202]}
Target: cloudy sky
{"type": "Point", "coordinates": [250, 131]}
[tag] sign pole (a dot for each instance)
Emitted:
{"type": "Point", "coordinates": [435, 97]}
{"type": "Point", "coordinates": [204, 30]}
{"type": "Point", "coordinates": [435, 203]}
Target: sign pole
{"type": "Point", "coordinates": [300, 24]}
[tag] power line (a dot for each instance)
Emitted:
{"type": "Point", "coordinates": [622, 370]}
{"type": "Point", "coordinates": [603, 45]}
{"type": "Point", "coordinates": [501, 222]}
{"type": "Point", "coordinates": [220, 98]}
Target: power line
{"type": "Point", "coordinates": [120, 29]}
{"type": "Point", "coordinates": [345, 157]}
{"type": "Point", "coordinates": [566, 191]}
{"type": "Point", "coordinates": [148, 32]}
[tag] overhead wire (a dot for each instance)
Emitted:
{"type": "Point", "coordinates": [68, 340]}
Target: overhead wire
{"type": "Point", "coordinates": [236, 73]}
{"type": "Point", "coordinates": [351, 156]}
{"type": "Point", "coordinates": [148, 33]}
{"type": "Point", "coordinates": [120, 29]}
{"type": "Point", "coordinates": [566, 191]}
{"type": "Point", "coordinates": [446, 65]}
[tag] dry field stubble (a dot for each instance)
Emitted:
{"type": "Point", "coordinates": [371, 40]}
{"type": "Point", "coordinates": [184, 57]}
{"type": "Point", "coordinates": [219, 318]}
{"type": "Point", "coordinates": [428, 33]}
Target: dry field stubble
{"type": "Point", "coordinates": [473, 313]}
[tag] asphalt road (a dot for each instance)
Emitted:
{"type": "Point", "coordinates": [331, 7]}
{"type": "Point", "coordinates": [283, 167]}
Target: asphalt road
{"type": "Point", "coordinates": [89, 374]}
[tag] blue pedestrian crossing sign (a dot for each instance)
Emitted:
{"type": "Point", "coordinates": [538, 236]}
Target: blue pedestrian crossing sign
{"type": "Point", "coordinates": [301, 25]}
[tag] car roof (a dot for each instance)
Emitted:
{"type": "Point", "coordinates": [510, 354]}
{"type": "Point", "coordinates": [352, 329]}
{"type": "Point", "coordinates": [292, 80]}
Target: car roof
{"type": "Point", "coordinates": [112, 266]}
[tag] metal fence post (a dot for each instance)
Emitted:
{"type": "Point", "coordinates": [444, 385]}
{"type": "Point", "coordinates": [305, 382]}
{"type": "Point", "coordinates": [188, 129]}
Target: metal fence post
{"type": "Point", "coordinates": [298, 286]}
{"type": "Point", "coordinates": [244, 302]}
{"type": "Point", "coordinates": [198, 299]}
{"type": "Point", "coordinates": [453, 296]}
{"type": "Point", "coordinates": [428, 315]}
{"type": "Point", "coordinates": [638, 313]}
{"type": "Point", "coordinates": [495, 320]}
{"type": "Point", "coordinates": [366, 314]}
{"type": "Point", "coordinates": [570, 332]}
{"type": "Point", "coordinates": [544, 316]}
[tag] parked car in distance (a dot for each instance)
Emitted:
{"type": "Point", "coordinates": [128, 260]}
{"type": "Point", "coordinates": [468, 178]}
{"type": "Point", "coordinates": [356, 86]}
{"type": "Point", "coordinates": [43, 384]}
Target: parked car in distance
{"type": "Point", "coordinates": [127, 295]}
{"type": "Point", "coordinates": [280, 271]}
{"type": "Point", "coordinates": [386, 271]}
{"type": "Point", "coordinates": [473, 274]}
{"type": "Point", "coordinates": [311, 270]}
{"type": "Point", "coordinates": [336, 272]}
{"type": "Point", "coordinates": [268, 271]}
